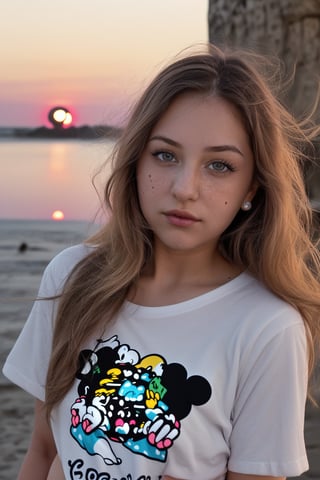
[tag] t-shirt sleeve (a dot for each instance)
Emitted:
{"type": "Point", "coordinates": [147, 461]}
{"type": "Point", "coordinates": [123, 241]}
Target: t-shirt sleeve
{"type": "Point", "coordinates": [27, 363]}
{"type": "Point", "coordinates": [268, 417]}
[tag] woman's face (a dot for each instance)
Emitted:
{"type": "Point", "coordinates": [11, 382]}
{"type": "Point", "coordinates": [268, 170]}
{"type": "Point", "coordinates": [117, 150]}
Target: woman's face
{"type": "Point", "coordinates": [195, 172]}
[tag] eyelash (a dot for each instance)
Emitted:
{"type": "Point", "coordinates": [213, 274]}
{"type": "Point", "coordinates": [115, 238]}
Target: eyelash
{"type": "Point", "coordinates": [226, 164]}
{"type": "Point", "coordinates": [163, 152]}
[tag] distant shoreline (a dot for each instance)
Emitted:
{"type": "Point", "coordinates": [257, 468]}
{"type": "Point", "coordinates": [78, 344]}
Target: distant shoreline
{"type": "Point", "coordinates": [84, 132]}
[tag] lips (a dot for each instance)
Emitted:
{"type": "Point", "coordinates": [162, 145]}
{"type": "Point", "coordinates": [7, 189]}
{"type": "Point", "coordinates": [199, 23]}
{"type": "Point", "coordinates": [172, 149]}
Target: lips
{"type": "Point", "coordinates": [181, 218]}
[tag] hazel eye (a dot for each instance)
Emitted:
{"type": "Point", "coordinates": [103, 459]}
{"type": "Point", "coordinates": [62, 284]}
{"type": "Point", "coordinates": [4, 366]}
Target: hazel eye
{"type": "Point", "coordinates": [164, 156]}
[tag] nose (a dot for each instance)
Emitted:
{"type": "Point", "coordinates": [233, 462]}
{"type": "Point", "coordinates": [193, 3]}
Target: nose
{"type": "Point", "coordinates": [186, 184]}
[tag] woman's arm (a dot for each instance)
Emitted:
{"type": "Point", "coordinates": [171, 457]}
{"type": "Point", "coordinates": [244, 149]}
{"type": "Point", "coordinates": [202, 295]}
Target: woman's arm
{"type": "Point", "coordinates": [42, 449]}
{"type": "Point", "coordinates": [56, 471]}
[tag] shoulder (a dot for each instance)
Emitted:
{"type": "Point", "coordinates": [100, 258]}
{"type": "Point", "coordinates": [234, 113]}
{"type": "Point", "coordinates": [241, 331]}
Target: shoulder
{"type": "Point", "coordinates": [69, 257]}
{"type": "Point", "coordinates": [268, 345]}
{"type": "Point", "coordinates": [264, 303]}
{"type": "Point", "coordinates": [61, 266]}
{"type": "Point", "coordinates": [266, 318]}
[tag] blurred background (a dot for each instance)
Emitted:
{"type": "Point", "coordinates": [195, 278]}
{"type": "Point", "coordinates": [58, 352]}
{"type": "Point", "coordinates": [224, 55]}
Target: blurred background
{"type": "Point", "coordinates": [69, 72]}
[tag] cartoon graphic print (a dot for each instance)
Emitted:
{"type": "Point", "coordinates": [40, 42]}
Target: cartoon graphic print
{"type": "Point", "coordinates": [138, 402]}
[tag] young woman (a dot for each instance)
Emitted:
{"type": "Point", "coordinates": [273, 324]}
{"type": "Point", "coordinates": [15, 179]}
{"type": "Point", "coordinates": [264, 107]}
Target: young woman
{"type": "Point", "coordinates": [176, 343]}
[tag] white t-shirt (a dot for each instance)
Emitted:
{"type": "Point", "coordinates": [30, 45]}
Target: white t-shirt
{"type": "Point", "coordinates": [187, 390]}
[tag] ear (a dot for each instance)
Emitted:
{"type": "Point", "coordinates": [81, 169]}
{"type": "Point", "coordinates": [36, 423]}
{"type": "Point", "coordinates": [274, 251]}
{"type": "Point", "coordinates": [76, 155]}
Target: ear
{"type": "Point", "coordinates": [252, 191]}
{"type": "Point", "coordinates": [247, 202]}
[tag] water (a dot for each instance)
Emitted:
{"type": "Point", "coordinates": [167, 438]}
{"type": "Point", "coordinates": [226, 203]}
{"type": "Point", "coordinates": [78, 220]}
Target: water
{"type": "Point", "coordinates": [42, 239]}
{"type": "Point", "coordinates": [40, 176]}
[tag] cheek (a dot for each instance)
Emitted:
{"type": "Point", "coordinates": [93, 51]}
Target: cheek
{"type": "Point", "coordinates": [147, 189]}
{"type": "Point", "coordinates": [145, 184]}
{"type": "Point", "coordinates": [151, 182]}
{"type": "Point", "coordinates": [230, 206]}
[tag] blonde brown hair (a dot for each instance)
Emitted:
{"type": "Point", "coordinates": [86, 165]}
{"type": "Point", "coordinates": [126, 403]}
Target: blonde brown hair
{"type": "Point", "coordinates": [273, 242]}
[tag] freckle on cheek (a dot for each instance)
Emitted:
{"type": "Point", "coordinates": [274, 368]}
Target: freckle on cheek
{"type": "Point", "coordinates": [226, 203]}
{"type": "Point", "coordinates": [150, 179]}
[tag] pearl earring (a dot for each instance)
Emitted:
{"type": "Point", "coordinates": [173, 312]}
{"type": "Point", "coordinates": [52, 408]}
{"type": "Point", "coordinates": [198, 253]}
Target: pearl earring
{"type": "Point", "coordinates": [246, 206]}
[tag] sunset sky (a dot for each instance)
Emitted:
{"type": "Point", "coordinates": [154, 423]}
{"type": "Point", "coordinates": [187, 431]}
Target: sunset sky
{"type": "Point", "coordinates": [92, 56]}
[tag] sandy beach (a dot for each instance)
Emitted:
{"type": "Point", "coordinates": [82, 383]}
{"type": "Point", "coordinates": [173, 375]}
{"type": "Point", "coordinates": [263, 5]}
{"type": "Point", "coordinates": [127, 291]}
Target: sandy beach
{"type": "Point", "coordinates": [20, 275]}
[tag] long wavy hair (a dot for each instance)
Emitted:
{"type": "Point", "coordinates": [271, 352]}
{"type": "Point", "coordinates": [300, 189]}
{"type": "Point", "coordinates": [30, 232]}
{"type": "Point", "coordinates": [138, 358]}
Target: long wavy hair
{"type": "Point", "coordinates": [274, 241]}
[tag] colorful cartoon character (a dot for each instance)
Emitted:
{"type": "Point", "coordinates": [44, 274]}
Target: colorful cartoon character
{"type": "Point", "coordinates": [137, 402]}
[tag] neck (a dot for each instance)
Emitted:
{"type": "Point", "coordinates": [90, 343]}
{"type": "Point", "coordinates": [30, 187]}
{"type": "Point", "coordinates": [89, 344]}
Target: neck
{"type": "Point", "coordinates": [179, 276]}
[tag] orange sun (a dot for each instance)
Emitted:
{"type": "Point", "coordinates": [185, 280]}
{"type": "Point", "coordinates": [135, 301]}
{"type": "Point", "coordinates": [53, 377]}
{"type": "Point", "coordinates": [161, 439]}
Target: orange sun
{"type": "Point", "coordinates": [57, 215]}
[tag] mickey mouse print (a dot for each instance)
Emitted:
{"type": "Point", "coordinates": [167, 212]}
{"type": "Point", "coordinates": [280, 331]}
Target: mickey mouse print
{"type": "Point", "coordinates": [138, 402]}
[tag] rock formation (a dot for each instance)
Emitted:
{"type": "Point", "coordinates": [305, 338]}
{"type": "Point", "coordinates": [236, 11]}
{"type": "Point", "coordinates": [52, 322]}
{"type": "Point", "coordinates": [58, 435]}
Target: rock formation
{"type": "Point", "coordinates": [289, 29]}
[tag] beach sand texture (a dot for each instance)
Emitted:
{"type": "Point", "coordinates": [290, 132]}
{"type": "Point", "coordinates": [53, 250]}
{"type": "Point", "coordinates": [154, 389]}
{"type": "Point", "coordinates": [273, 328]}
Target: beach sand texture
{"type": "Point", "coordinates": [20, 275]}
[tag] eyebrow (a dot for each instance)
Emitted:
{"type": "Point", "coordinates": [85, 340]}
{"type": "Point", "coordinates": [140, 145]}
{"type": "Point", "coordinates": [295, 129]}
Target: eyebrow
{"type": "Point", "coordinates": [215, 148]}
